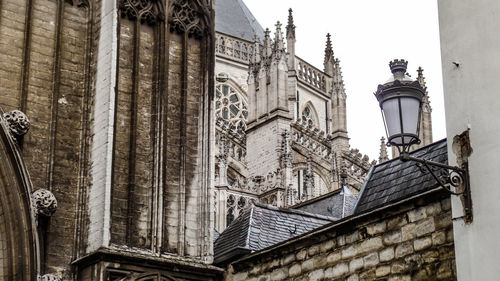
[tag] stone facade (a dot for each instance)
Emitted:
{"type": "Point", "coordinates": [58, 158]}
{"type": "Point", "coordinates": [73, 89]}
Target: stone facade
{"type": "Point", "coordinates": [412, 240]}
{"type": "Point", "coordinates": [119, 94]}
{"type": "Point", "coordinates": [271, 92]}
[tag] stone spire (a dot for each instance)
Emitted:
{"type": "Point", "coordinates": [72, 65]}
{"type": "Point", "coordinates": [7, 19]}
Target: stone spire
{"type": "Point", "coordinates": [425, 133]}
{"type": "Point", "coordinates": [338, 80]}
{"type": "Point", "coordinates": [421, 78]}
{"type": "Point", "coordinates": [290, 41]}
{"type": "Point", "coordinates": [256, 51]}
{"type": "Point", "coordinates": [268, 47]}
{"type": "Point", "coordinates": [279, 44]}
{"type": "Point", "coordinates": [290, 28]}
{"type": "Point", "coordinates": [383, 151]}
{"type": "Point", "coordinates": [286, 168]}
{"type": "Point", "coordinates": [329, 63]}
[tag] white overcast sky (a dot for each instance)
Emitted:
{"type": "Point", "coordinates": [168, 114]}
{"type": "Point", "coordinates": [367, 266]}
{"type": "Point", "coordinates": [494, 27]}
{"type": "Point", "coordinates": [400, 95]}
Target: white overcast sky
{"type": "Point", "coordinates": [366, 35]}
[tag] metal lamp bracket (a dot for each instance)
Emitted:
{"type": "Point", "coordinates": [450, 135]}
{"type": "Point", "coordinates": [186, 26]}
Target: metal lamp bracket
{"type": "Point", "coordinates": [447, 176]}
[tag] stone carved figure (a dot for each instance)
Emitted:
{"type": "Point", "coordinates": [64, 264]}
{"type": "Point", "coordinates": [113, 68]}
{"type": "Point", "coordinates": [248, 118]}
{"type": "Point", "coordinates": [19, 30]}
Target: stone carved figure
{"type": "Point", "coordinates": [19, 123]}
{"type": "Point", "coordinates": [44, 202]}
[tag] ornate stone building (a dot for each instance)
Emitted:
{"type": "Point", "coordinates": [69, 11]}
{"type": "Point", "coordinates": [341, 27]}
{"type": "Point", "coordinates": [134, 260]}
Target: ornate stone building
{"type": "Point", "coordinates": [119, 94]}
{"type": "Point", "coordinates": [115, 178]}
{"type": "Point", "coordinates": [281, 133]}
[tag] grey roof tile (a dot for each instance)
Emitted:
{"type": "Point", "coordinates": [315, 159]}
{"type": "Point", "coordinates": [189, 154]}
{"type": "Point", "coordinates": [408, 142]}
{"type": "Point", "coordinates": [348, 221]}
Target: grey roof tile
{"type": "Point", "coordinates": [232, 17]}
{"type": "Point", "coordinates": [330, 204]}
{"type": "Point", "coordinates": [394, 180]}
{"type": "Point", "coordinates": [262, 226]}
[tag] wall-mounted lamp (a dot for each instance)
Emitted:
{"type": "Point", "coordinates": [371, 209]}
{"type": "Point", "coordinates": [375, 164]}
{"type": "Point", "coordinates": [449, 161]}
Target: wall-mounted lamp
{"type": "Point", "coordinates": [400, 100]}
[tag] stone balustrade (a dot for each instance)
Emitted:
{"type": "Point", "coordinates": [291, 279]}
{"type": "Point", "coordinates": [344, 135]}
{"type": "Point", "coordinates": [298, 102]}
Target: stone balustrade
{"type": "Point", "coordinates": [310, 75]}
{"type": "Point", "coordinates": [232, 48]}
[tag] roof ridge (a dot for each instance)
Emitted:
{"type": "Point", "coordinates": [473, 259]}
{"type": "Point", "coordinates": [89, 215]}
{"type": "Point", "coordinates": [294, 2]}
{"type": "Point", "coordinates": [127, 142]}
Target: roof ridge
{"type": "Point", "coordinates": [293, 211]}
{"type": "Point", "coordinates": [315, 199]}
{"type": "Point", "coordinates": [250, 219]}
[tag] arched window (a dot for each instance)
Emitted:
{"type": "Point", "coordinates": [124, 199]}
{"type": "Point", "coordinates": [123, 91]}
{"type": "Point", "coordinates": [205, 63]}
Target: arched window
{"type": "Point", "coordinates": [230, 105]}
{"type": "Point", "coordinates": [222, 45]}
{"type": "Point", "coordinates": [308, 116]}
{"type": "Point", "coordinates": [230, 210]}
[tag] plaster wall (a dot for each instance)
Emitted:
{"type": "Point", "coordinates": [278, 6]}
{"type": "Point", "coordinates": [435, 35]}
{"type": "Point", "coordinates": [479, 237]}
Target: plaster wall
{"type": "Point", "coordinates": [470, 45]}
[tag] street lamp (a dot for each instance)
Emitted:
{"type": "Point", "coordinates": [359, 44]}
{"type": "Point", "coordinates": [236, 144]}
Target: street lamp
{"type": "Point", "coordinates": [400, 100]}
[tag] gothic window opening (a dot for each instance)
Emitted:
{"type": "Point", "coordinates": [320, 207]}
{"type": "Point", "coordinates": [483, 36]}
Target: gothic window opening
{"type": "Point", "coordinates": [300, 182]}
{"type": "Point", "coordinates": [222, 45]}
{"type": "Point", "coordinates": [308, 116]}
{"type": "Point", "coordinates": [237, 50]}
{"type": "Point", "coordinates": [230, 210]}
{"type": "Point", "coordinates": [242, 203]}
{"type": "Point", "coordinates": [231, 106]}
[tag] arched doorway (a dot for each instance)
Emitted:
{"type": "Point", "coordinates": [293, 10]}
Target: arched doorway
{"type": "Point", "coordinates": [19, 253]}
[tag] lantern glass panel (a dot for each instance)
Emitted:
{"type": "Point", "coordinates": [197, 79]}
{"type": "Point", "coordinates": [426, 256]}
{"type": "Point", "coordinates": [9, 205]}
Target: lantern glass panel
{"type": "Point", "coordinates": [410, 109]}
{"type": "Point", "coordinates": [390, 108]}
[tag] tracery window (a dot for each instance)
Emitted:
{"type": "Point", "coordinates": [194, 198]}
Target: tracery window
{"type": "Point", "coordinates": [231, 106]}
{"type": "Point", "coordinates": [235, 206]}
{"type": "Point", "coordinates": [307, 116]}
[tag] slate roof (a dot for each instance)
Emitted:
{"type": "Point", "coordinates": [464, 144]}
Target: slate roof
{"type": "Point", "coordinates": [232, 17]}
{"type": "Point", "coordinates": [395, 180]}
{"type": "Point", "coordinates": [262, 226]}
{"type": "Point", "coordinates": [335, 204]}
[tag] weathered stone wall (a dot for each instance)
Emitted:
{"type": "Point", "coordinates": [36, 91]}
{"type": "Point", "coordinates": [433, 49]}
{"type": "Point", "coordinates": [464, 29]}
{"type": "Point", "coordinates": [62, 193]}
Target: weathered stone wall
{"type": "Point", "coordinates": [120, 124]}
{"type": "Point", "coordinates": [407, 242]}
{"type": "Point", "coordinates": [263, 144]}
{"type": "Point", "coordinates": [45, 57]}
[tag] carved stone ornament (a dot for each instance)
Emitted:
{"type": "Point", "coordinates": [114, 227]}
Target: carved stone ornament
{"type": "Point", "coordinates": [147, 11]}
{"type": "Point", "coordinates": [44, 203]}
{"type": "Point", "coordinates": [184, 17]}
{"type": "Point", "coordinates": [18, 123]}
{"type": "Point", "coordinates": [50, 277]}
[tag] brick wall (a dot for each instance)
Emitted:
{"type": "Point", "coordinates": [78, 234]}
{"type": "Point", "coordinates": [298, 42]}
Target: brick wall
{"type": "Point", "coordinates": [412, 241]}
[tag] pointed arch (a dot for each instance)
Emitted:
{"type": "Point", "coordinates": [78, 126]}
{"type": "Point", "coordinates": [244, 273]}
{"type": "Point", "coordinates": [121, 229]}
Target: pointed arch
{"type": "Point", "coordinates": [309, 114]}
{"type": "Point", "coordinates": [20, 258]}
{"type": "Point", "coordinates": [319, 174]}
{"type": "Point", "coordinates": [193, 17]}
{"type": "Point", "coordinates": [231, 104]}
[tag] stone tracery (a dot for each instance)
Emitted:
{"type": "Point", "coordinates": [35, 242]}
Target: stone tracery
{"type": "Point", "coordinates": [185, 17]}
{"type": "Point", "coordinates": [146, 11]}
{"type": "Point", "coordinates": [231, 106]}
